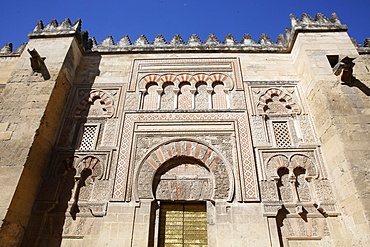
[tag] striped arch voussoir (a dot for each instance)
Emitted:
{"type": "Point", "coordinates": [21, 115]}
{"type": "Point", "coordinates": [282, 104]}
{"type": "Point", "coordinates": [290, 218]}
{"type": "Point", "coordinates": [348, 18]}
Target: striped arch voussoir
{"type": "Point", "coordinates": [192, 79]}
{"type": "Point", "coordinates": [268, 96]}
{"type": "Point", "coordinates": [183, 148]}
{"type": "Point", "coordinates": [168, 151]}
{"type": "Point", "coordinates": [89, 99]}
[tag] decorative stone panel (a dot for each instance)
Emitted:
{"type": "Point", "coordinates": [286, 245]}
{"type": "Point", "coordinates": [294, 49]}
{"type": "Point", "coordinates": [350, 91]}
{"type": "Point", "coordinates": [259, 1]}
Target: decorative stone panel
{"type": "Point", "coordinates": [244, 163]}
{"type": "Point", "coordinates": [274, 98]}
{"type": "Point", "coordinates": [181, 156]}
{"type": "Point", "coordinates": [200, 69]}
{"type": "Point", "coordinates": [276, 101]}
{"type": "Point", "coordinates": [95, 103]}
{"type": "Point", "coordinates": [89, 137]}
{"type": "Point", "coordinates": [298, 228]}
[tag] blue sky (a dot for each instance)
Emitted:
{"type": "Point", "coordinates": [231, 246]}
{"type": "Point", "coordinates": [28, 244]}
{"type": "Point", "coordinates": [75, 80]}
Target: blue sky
{"type": "Point", "coordinates": [185, 17]}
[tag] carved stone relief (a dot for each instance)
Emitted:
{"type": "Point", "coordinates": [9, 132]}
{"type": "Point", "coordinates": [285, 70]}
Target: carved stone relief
{"type": "Point", "coordinates": [268, 191]}
{"type": "Point", "coordinates": [132, 101]}
{"type": "Point", "coordinates": [168, 97]}
{"type": "Point", "coordinates": [275, 100]}
{"type": "Point", "coordinates": [284, 186]}
{"type": "Point", "coordinates": [185, 182]}
{"type": "Point", "coordinates": [81, 179]}
{"type": "Point", "coordinates": [290, 159]}
{"type": "Point", "coordinates": [95, 103]}
{"type": "Point", "coordinates": [227, 142]}
{"type": "Point", "coordinates": [179, 181]}
{"type": "Point", "coordinates": [306, 129]}
{"type": "Point", "coordinates": [324, 191]}
{"type": "Point", "coordinates": [182, 92]}
{"type": "Point", "coordinates": [258, 130]}
{"type": "Point", "coordinates": [300, 186]}
{"type": "Point", "coordinates": [237, 100]}
{"type": "Point", "coordinates": [298, 227]}
{"type": "Point", "coordinates": [202, 69]}
{"type": "Point", "coordinates": [201, 96]}
{"type": "Point", "coordinates": [110, 132]}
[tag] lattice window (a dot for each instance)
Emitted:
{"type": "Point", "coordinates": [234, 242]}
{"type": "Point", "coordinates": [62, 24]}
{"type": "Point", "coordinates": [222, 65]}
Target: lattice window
{"type": "Point", "coordinates": [282, 136]}
{"type": "Point", "coordinates": [89, 137]}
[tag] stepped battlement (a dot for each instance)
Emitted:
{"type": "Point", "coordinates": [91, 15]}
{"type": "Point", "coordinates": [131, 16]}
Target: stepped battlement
{"type": "Point", "coordinates": [229, 43]}
{"type": "Point", "coordinates": [320, 23]}
{"type": "Point", "coordinates": [56, 29]}
{"type": "Point", "coordinates": [7, 50]}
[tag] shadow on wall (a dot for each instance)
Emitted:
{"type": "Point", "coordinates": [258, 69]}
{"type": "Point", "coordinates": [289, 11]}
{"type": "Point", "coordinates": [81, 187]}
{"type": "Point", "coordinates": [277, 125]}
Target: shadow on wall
{"type": "Point", "coordinates": [59, 194]}
{"type": "Point", "coordinates": [354, 82]}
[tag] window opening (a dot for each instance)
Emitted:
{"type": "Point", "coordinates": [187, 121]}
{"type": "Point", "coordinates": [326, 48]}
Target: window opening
{"type": "Point", "coordinates": [89, 136]}
{"type": "Point", "coordinates": [282, 136]}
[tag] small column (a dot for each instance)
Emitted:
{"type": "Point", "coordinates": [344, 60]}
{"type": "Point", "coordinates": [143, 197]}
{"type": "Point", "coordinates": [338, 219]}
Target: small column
{"type": "Point", "coordinates": [193, 91]}
{"type": "Point", "coordinates": [210, 91]}
{"type": "Point", "coordinates": [141, 101]}
{"type": "Point", "coordinates": [227, 98]}
{"type": "Point", "coordinates": [176, 97]}
{"type": "Point", "coordinates": [159, 92]}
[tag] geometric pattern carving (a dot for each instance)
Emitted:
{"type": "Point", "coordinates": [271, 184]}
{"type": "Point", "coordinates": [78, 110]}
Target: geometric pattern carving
{"type": "Point", "coordinates": [201, 96]}
{"type": "Point", "coordinates": [258, 130]}
{"type": "Point", "coordinates": [249, 189]}
{"type": "Point", "coordinates": [276, 101]}
{"type": "Point", "coordinates": [89, 137]}
{"type": "Point", "coordinates": [282, 136]}
{"type": "Point", "coordinates": [96, 103]}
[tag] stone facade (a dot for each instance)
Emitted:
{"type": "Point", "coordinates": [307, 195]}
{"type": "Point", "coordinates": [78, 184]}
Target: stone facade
{"type": "Point", "coordinates": [271, 140]}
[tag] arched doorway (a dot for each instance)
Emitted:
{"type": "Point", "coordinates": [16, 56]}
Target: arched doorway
{"type": "Point", "coordinates": [181, 187]}
{"type": "Point", "coordinates": [181, 178]}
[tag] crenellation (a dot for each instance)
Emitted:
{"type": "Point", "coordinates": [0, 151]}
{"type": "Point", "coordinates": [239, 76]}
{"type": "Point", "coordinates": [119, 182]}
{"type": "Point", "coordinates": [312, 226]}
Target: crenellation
{"type": "Point", "coordinates": [7, 49]}
{"type": "Point", "coordinates": [159, 40]}
{"type": "Point", "coordinates": [108, 42]}
{"type": "Point", "coordinates": [265, 40]}
{"type": "Point", "coordinates": [177, 40]}
{"type": "Point", "coordinates": [65, 28]}
{"type": "Point", "coordinates": [247, 40]}
{"type": "Point", "coordinates": [229, 40]}
{"type": "Point", "coordinates": [194, 40]}
{"type": "Point", "coordinates": [141, 41]}
{"type": "Point", "coordinates": [319, 22]}
{"type": "Point", "coordinates": [212, 40]}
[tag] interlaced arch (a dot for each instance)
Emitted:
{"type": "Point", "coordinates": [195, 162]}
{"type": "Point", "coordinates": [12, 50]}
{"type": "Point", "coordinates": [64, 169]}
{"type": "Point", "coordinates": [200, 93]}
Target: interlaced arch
{"type": "Point", "coordinates": [99, 101]}
{"type": "Point", "coordinates": [276, 101]}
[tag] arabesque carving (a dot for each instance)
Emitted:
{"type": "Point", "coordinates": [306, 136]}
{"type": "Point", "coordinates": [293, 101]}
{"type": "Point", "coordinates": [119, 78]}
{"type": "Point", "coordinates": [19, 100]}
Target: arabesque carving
{"type": "Point", "coordinates": [212, 169]}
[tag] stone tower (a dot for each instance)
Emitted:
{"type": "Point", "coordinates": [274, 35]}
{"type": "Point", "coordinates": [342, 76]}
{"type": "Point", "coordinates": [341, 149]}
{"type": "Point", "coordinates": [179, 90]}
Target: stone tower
{"type": "Point", "coordinates": [186, 143]}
